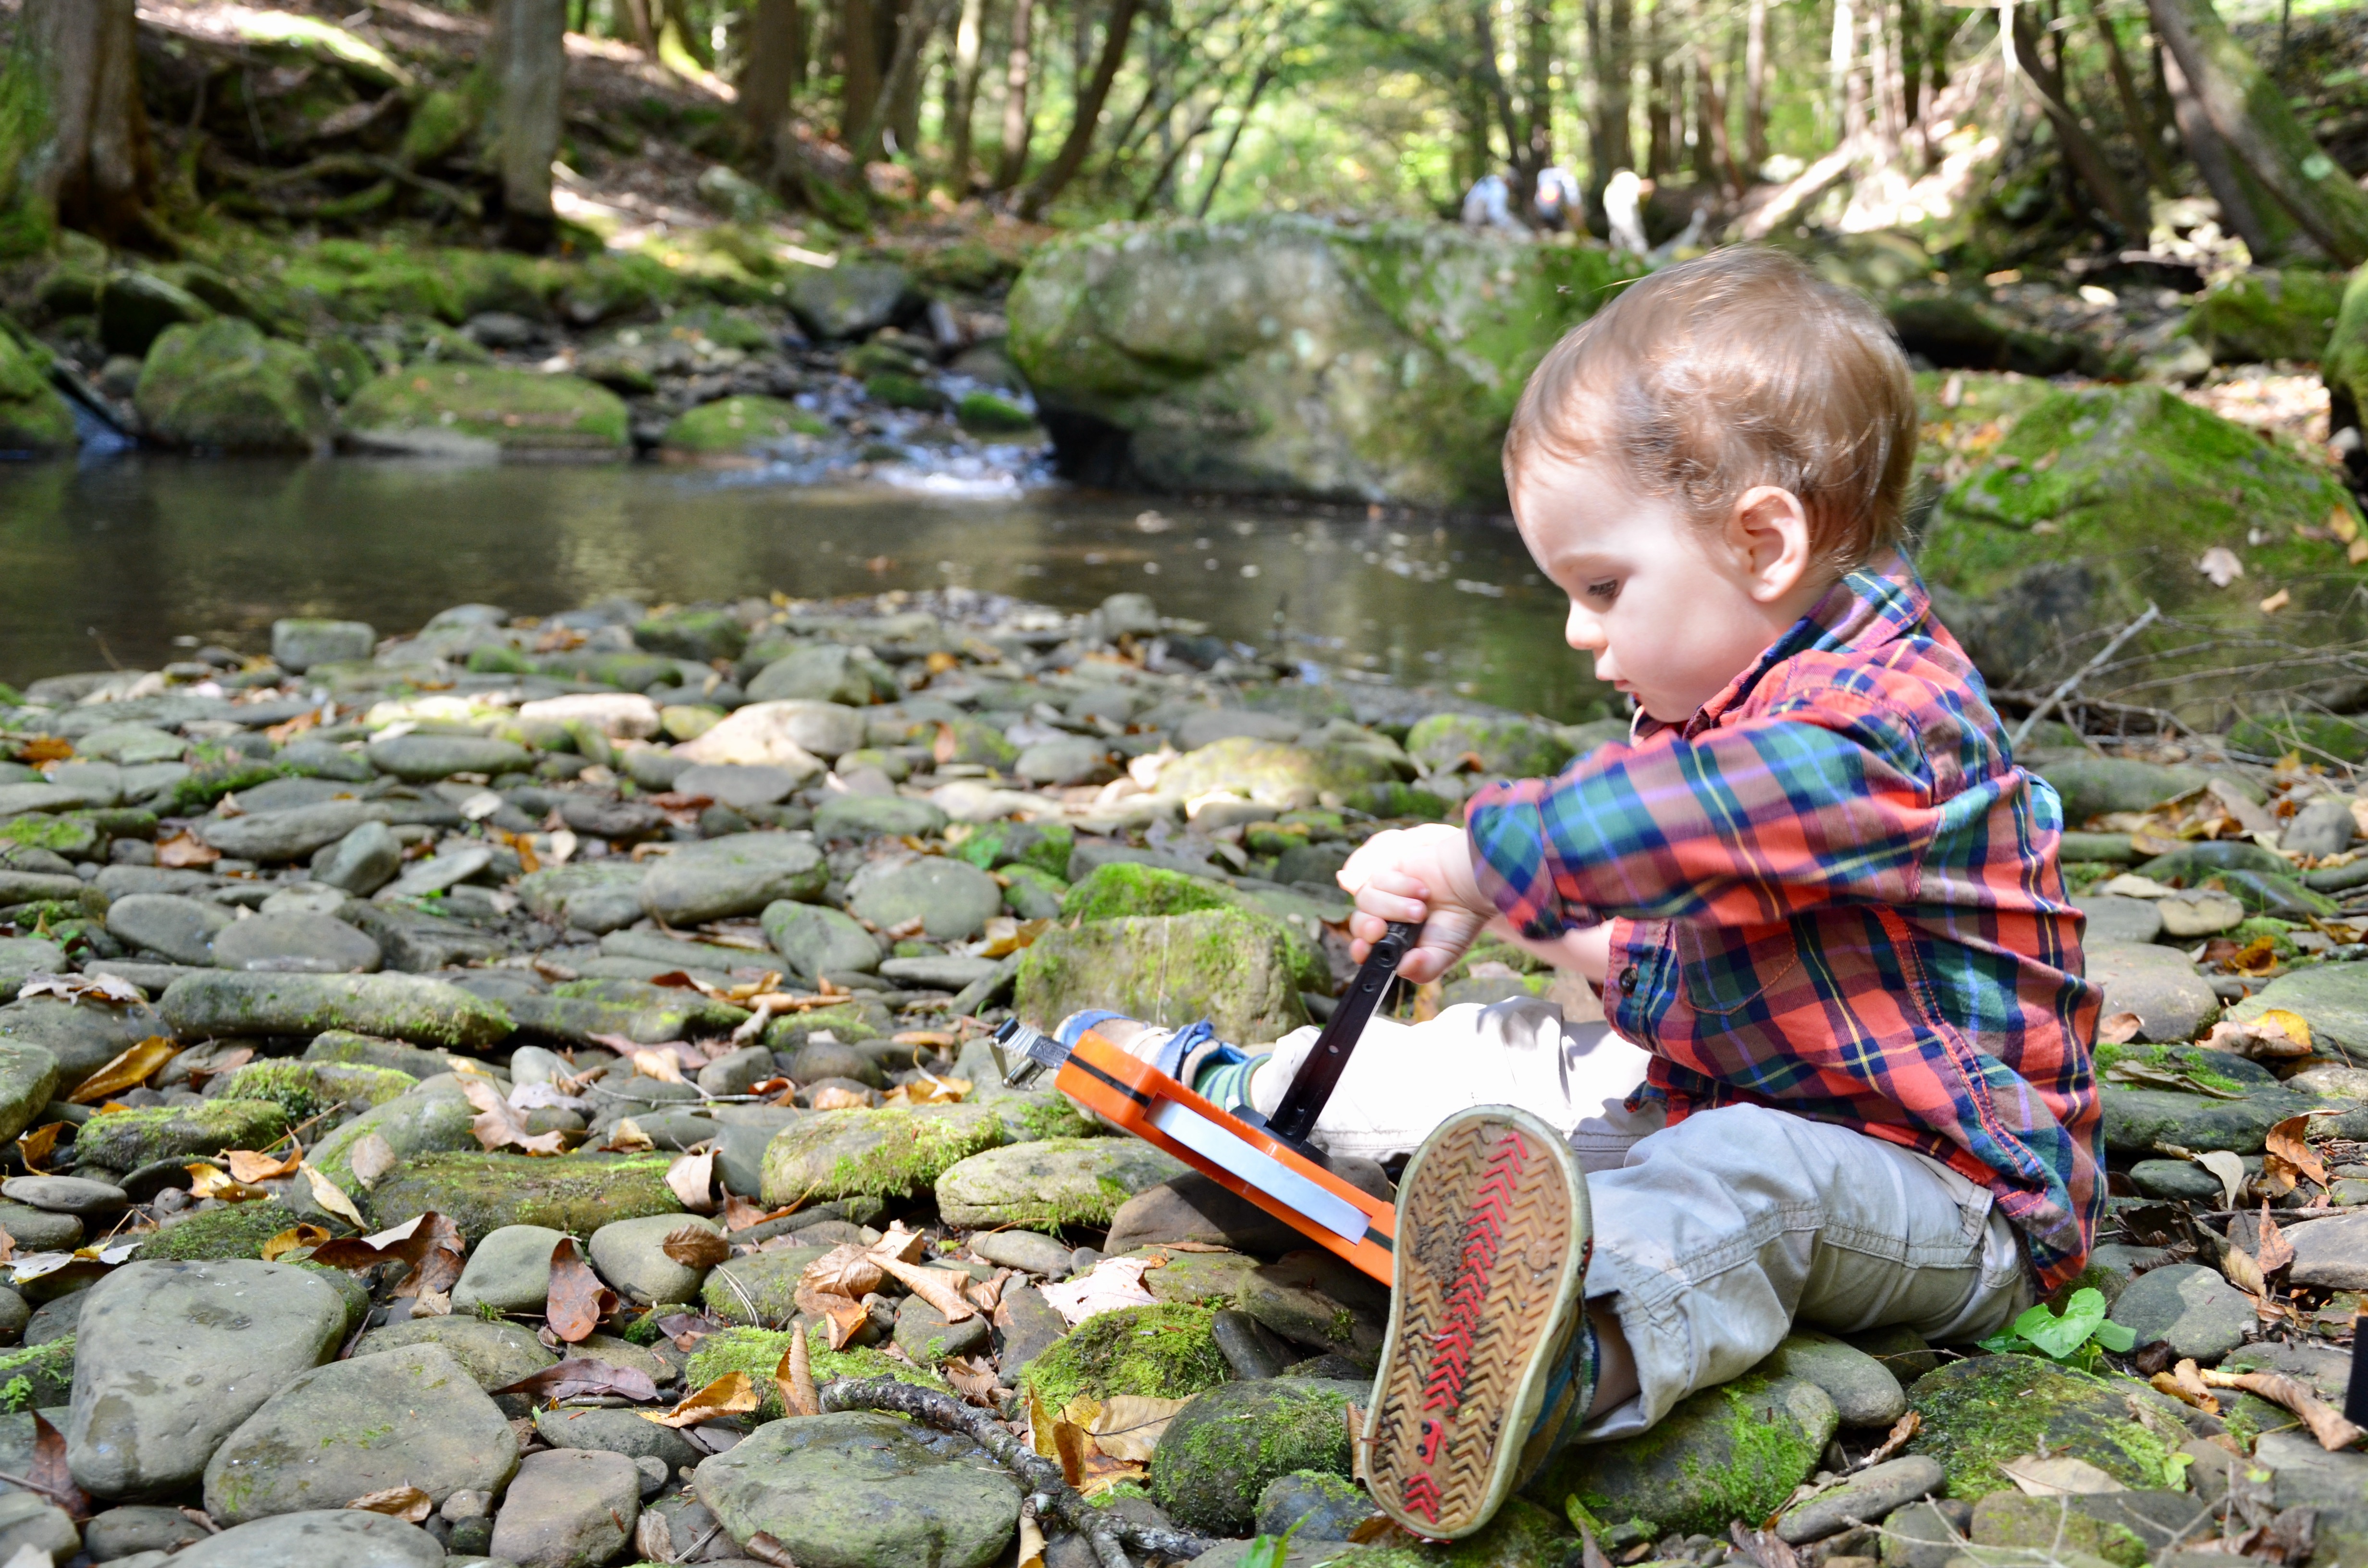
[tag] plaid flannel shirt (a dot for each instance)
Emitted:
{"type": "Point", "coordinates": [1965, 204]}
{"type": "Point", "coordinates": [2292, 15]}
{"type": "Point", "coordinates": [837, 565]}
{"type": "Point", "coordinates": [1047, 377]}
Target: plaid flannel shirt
{"type": "Point", "coordinates": [1833, 892]}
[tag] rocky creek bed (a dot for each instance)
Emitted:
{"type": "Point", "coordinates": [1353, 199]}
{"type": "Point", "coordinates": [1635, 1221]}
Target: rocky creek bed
{"type": "Point", "coordinates": [623, 977]}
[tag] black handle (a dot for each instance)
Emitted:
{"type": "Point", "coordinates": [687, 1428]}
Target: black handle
{"type": "Point", "coordinates": [2355, 1396]}
{"type": "Point", "coordinates": [1294, 1118]}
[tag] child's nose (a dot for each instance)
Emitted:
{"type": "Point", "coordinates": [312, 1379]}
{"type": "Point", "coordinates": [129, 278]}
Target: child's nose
{"type": "Point", "coordinates": [1583, 631]}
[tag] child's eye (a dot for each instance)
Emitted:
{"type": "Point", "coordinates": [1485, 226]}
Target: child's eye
{"type": "Point", "coordinates": [1603, 592]}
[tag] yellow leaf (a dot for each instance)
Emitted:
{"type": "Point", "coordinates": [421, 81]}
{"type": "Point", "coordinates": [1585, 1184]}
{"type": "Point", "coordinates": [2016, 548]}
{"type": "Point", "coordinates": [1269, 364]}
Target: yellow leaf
{"type": "Point", "coordinates": [292, 1240]}
{"type": "Point", "coordinates": [245, 1165]}
{"type": "Point", "coordinates": [210, 1181]}
{"type": "Point", "coordinates": [663, 1065]}
{"type": "Point", "coordinates": [332, 1197]}
{"type": "Point", "coordinates": [130, 1069]}
{"type": "Point", "coordinates": [406, 1502]}
{"type": "Point", "coordinates": [2342, 524]}
{"type": "Point", "coordinates": [794, 1378]}
{"type": "Point", "coordinates": [2277, 601]}
{"type": "Point", "coordinates": [1130, 1425]}
{"type": "Point", "coordinates": [832, 1098]}
{"type": "Point", "coordinates": [2356, 555]}
{"type": "Point", "coordinates": [2294, 1025]}
{"type": "Point", "coordinates": [731, 1394]}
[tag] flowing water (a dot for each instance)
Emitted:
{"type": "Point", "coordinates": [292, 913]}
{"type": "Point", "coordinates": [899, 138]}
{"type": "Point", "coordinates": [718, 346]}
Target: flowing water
{"type": "Point", "coordinates": [108, 562]}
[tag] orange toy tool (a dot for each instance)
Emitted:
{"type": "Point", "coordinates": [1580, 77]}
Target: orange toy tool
{"type": "Point", "coordinates": [1268, 1161]}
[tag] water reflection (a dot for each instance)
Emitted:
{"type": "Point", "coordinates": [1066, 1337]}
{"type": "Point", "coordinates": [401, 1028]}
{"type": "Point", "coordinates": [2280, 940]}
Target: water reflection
{"type": "Point", "coordinates": [127, 555]}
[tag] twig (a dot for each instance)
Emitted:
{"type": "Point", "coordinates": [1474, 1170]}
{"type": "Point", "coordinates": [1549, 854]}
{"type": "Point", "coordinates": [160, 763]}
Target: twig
{"type": "Point", "coordinates": [2071, 682]}
{"type": "Point", "coordinates": [30, 1484]}
{"type": "Point", "coordinates": [947, 1414]}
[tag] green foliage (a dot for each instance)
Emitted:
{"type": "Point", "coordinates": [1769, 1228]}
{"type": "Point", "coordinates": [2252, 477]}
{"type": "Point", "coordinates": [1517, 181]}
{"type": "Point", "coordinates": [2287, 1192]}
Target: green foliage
{"type": "Point", "coordinates": [2076, 1339]}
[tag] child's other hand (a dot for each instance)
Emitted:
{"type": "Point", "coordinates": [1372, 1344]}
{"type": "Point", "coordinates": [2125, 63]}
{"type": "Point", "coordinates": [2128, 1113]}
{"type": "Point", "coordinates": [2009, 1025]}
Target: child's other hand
{"type": "Point", "coordinates": [1418, 875]}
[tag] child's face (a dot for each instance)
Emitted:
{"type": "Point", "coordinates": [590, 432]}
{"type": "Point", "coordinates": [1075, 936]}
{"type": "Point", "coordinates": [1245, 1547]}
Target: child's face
{"type": "Point", "coordinates": [1671, 609]}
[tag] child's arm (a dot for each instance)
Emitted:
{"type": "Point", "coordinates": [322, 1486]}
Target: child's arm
{"type": "Point", "coordinates": [1418, 875]}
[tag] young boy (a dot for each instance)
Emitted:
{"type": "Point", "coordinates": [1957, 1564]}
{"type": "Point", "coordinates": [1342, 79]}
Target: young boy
{"type": "Point", "coordinates": [1818, 895]}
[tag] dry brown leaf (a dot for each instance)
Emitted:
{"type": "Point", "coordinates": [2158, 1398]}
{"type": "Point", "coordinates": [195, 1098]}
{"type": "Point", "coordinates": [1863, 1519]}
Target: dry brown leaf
{"type": "Point", "coordinates": [7, 1247]}
{"type": "Point", "coordinates": [2229, 1168]}
{"type": "Point", "coordinates": [50, 1474]}
{"type": "Point", "coordinates": [663, 1066]}
{"type": "Point", "coordinates": [2273, 1251]}
{"type": "Point", "coordinates": [939, 1286]}
{"type": "Point", "coordinates": [405, 1503]}
{"type": "Point", "coordinates": [2058, 1476]}
{"type": "Point", "coordinates": [2325, 1423]}
{"type": "Point", "coordinates": [2120, 1029]}
{"type": "Point", "coordinates": [579, 1377]}
{"type": "Point", "coordinates": [1069, 1444]}
{"type": "Point", "coordinates": [245, 1165]}
{"type": "Point", "coordinates": [2286, 1140]}
{"type": "Point", "coordinates": [372, 1157]}
{"type": "Point", "coordinates": [2191, 1384]}
{"type": "Point", "coordinates": [130, 1068]}
{"type": "Point", "coordinates": [2277, 601]}
{"type": "Point", "coordinates": [739, 1214]}
{"type": "Point", "coordinates": [2242, 1271]}
{"type": "Point", "coordinates": [830, 1096]}
{"type": "Point", "coordinates": [695, 1247]}
{"type": "Point", "coordinates": [1903, 1432]}
{"type": "Point", "coordinates": [848, 1269]}
{"type": "Point", "coordinates": [578, 1301]}
{"type": "Point", "coordinates": [1110, 1285]}
{"type": "Point", "coordinates": [731, 1394]}
{"type": "Point", "coordinates": [432, 1305]}
{"type": "Point", "coordinates": [212, 1181]}
{"type": "Point", "coordinates": [764, 1549]}
{"type": "Point", "coordinates": [988, 1294]}
{"type": "Point", "coordinates": [291, 1239]}
{"type": "Point", "coordinates": [1031, 1537]}
{"type": "Point", "coordinates": [794, 1377]}
{"type": "Point", "coordinates": [692, 1179]}
{"type": "Point", "coordinates": [332, 1197]}
{"type": "Point", "coordinates": [653, 1538]}
{"type": "Point", "coordinates": [974, 1380]}
{"type": "Point", "coordinates": [184, 851]}
{"type": "Point", "coordinates": [1130, 1425]}
{"type": "Point", "coordinates": [498, 1124]}
{"type": "Point", "coordinates": [928, 1090]}
{"type": "Point", "coordinates": [627, 1138]}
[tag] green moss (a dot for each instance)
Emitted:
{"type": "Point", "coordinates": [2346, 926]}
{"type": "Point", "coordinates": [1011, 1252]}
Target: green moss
{"type": "Point", "coordinates": [1043, 847]}
{"type": "Point", "coordinates": [127, 1139]}
{"type": "Point", "coordinates": [2260, 315]}
{"type": "Point", "coordinates": [576, 1193]}
{"type": "Point", "coordinates": [1242, 971]}
{"type": "Point", "coordinates": [1994, 1409]}
{"type": "Point", "coordinates": [305, 1089]}
{"type": "Point", "coordinates": [70, 834]}
{"type": "Point", "coordinates": [741, 424]}
{"type": "Point", "coordinates": [1165, 1352]}
{"type": "Point", "coordinates": [983, 413]}
{"type": "Point", "coordinates": [898, 390]}
{"type": "Point", "coordinates": [33, 418]}
{"type": "Point", "coordinates": [224, 386]}
{"type": "Point", "coordinates": [1033, 1117]}
{"type": "Point", "coordinates": [234, 1230]}
{"type": "Point", "coordinates": [2319, 737]}
{"type": "Point", "coordinates": [759, 1352]}
{"type": "Point", "coordinates": [879, 1153]}
{"type": "Point", "coordinates": [1224, 1449]}
{"type": "Point", "coordinates": [1124, 888]}
{"type": "Point", "coordinates": [515, 410]}
{"type": "Point", "coordinates": [45, 1372]}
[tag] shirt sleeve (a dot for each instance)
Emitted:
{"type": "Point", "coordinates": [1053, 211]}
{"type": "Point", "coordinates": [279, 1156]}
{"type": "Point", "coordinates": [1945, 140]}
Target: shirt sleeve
{"type": "Point", "coordinates": [1745, 823]}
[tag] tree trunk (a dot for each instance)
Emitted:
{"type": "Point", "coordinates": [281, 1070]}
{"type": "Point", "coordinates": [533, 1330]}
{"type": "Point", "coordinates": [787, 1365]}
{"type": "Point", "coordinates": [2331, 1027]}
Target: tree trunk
{"type": "Point", "coordinates": [528, 53]}
{"type": "Point", "coordinates": [95, 168]}
{"type": "Point", "coordinates": [1657, 160]}
{"type": "Point", "coordinates": [2143, 129]}
{"type": "Point", "coordinates": [1840, 89]}
{"type": "Point", "coordinates": [1755, 84]}
{"type": "Point", "coordinates": [645, 35]}
{"type": "Point", "coordinates": [859, 46]}
{"type": "Point", "coordinates": [915, 24]}
{"type": "Point", "coordinates": [1614, 56]}
{"type": "Point", "coordinates": [2246, 209]}
{"type": "Point", "coordinates": [2253, 118]}
{"type": "Point", "coordinates": [1714, 122]}
{"type": "Point", "coordinates": [776, 48]}
{"type": "Point", "coordinates": [691, 39]}
{"type": "Point", "coordinates": [1018, 125]}
{"type": "Point", "coordinates": [961, 94]}
{"type": "Point", "coordinates": [1492, 81]}
{"type": "Point", "coordinates": [1080, 139]}
{"type": "Point", "coordinates": [1537, 92]}
{"type": "Point", "coordinates": [1232, 139]}
{"type": "Point", "coordinates": [2088, 160]}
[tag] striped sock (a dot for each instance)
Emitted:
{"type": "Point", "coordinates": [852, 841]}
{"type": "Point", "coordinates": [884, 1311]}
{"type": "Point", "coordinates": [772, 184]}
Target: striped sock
{"type": "Point", "coordinates": [1226, 1085]}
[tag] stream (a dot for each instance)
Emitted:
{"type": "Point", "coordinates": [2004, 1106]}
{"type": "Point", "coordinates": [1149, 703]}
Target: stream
{"type": "Point", "coordinates": [112, 560]}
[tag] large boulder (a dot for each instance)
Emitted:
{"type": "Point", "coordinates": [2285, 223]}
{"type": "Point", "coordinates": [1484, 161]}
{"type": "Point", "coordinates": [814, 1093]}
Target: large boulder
{"type": "Point", "coordinates": [1229, 967]}
{"type": "Point", "coordinates": [481, 410]}
{"type": "Point", "coordinates": [225, 386]}
{"type": "Point", "coordinates": [2264, 313]}
{"type": "Point", "coordinates": [859, 1488]}
{"type": "Point", "coordinates": [2103, 499]}
{"type": "Point", "coordinates": [1291, 354]}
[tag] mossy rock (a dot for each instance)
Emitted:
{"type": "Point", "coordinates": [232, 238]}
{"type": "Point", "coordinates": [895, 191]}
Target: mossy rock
{"type": "Point", "coordinates": [480, 1193]}
{"type": "Point", "coordinates": [223, 386]}
{"type": "Point", "coordinates": [1208, 344]}
{"type": "Point", "coordinates": [234, 1230]}
{"type": "Point", "coordinates": [126, 1139]}
{"type": "Point", "coordinates": [1043, 846]}
{"type": "Point", "coordinates": [306, 1090]}
{"type": "Point", "coordinates": [1046, 1184]}
{"type": "Point", "coordinates": [38, 1377]}
{"type": "Point", "coordinates": [759, 1352]}
{"type": "Point", "coordinates": [983, 413]}
{"type": "Point", "coordinates": [433, 408]}
{"type": "Point", "coordinates": [34, 420]}
{"type": "Point", "coordinates": [899, 390]}
{"type": "Point", "coordinates": [1991, 1410]}
{"type": "Point", "coordinates": [1233, 968]}
{"type": "Point", "coordinates": [1522, 1535]}
{"type": "Point", "coordinates": [1222, 1450]}
{"type": "Point", "coordinates": [890, 1152]}
{"type": "Point", "coordinates": [1280, 774]}
{"type": "Point", "coordinates": [2265, 313]}
{"type": "Point", "coordinates": [759, 1289]}
{"type": "Point", "coordinates": [2319, 737]}
{"type": "Point", "coordinates": [1734, 1452]}
{"type": "Point", "coordinates": [700, 634]}
{"type": "Point", "coordinates": [738, 425]}
{"type": "Point", "coordinates": [2344, 365]}
{"type": "Point", "coordinates": [1505, 744]}
{"type": "Point", "coordinates": [2133, 485]}
{"type": "Point", "coordinates": [1163, 1352]}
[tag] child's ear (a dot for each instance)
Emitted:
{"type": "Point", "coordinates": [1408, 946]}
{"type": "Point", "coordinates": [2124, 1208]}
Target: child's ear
{"type": "Point", "coordinates": [1770, 533]}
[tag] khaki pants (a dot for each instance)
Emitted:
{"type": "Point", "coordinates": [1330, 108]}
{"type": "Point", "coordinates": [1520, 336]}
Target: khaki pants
{"type": "Point", "coordinates": [1711, 1237]}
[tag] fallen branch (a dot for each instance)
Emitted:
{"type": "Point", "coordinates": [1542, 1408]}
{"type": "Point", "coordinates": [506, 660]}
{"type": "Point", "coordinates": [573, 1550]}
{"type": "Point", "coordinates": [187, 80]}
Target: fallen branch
{"type": "Point", "coordinates": [947, 1414]}
{"type": "Point", "coordinates": [2072, 682]}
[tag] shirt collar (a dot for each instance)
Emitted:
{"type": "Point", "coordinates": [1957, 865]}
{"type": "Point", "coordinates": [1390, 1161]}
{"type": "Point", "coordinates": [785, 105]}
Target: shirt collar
{"type": "Point", "coordinates": [1876, 604]}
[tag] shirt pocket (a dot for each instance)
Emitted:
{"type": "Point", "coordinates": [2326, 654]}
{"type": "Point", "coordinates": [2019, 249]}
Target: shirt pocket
{"type": "Point", "coordinates": [1727, 968]}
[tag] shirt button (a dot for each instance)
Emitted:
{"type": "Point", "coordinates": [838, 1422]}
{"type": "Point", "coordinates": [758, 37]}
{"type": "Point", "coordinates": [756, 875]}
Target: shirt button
{"type": "Point", "coordinates": [1628, 978]}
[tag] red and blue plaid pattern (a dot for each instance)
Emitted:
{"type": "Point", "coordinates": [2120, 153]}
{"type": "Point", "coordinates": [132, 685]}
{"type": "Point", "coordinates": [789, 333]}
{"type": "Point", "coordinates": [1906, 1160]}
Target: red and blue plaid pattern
{"type": "Point", "coordinates": [1833, 892]}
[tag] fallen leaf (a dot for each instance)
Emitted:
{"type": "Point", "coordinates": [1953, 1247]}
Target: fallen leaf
{"type": "Point", "coordinates": [764, 1549]}
{"type": "Point", "coordinates": [2273, 1252]}
{"type": "Point", "coordinates": [50, 1473]}
{"type": "Point", "coordinates": [663, 1066]}
{"type": "Point", "coordinates": [498, 1126]}
{"type": "Point", "coordinates": [929, 1089]}
{"type": "Point", "coordinates": [731, 1394]}
{"type": "Point", "coordinates": [739, 1214]}
{"type": "Point", "coordinates": [2341, 523]}
{"type": "Point", "coordinates": [579, 1377]}
{"type": "Point", "coordinates": [1109, 1285]}
{"type": "Point", "coordinates": [7, 1247]}
{"type": "Point", "coordinates": [332, 1197]}
{"type": "Point", "coordinates": [578, 1301]}
{"type": "Point", "coordinates": [974, 1379]}
{"type": "Point", "coordinates": [185, 851]}
{"type": "Point", "coordinates": [2220, 564]}
{"type": "Point", "coordinates": [35, 1147]}
{"type": "Point", "coordinates": [830, 1096]}
{"type": "Point", "coordinates": [432, 1305]}
{"type": "Point", "coordinates": [405, 1503]}
{"type": "Point", "coordinates": [692, 1179]}
{"type": "Point", "coordinates": [1903, 1432]}
{"type": "Point", "coordinates": [2291, 1024]}
{"type": "Point", "coordinates": [696, 1246]}
{"type": "Point", "coordinates": [653, 1538]}
{"type": "Point", "coordinates": [1069, 1441]}
{"type": "Point", "coordinates": [2242, 1271]}
{"type": "Point", "coordinates": [2059, 1476]}
{"type": "Point", "coordinates": [1130, 1425]}
{"type": "Point", "coordinates": [2191, 1384]}
{"type": "Point", "coordinates": [1031, 1534]}
{"type": "Point", "coordinates": [2121, 1028]}
{"type": "Point", "coordinates": [245, 1165]}
{"type": "Point", "coordinates": [129, 1070]}
{"type": "Point", "coordinates": [627, 1138]}
{"type": "Point", "coordinates": [2325, 1423]}
{"type": "Point", "coordinates": [2277, 601]}
{"type": "Point", "coordinates": [111, 989]}
{"type": "Point", "coordinates": [793, 1376]}
{"type": "Point", "coordinates": [212, 1181]}
{"type": "Point", "coordinates": [2261, 1039]}
{"type": "Point", "coordinates": [371, 1158]}
{"type": "Point", "coordinates": [941, 1288]}
{"type": "Point", "coordinates": [2286, 1140]}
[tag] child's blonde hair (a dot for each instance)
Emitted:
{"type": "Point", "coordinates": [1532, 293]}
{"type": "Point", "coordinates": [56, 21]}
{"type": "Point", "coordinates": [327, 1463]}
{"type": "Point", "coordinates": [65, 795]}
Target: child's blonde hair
{"type": "Point", "coordinates": [1739, 369]}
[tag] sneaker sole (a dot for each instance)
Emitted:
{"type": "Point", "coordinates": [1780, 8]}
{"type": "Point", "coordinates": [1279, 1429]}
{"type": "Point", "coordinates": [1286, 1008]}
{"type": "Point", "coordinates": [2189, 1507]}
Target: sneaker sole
{"type": "Point", "coordinates": [1492, 1244]}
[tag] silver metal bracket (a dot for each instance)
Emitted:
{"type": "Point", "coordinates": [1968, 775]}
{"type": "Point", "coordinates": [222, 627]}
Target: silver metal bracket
{"type": "Point", "coordinates": [1022, 1053]}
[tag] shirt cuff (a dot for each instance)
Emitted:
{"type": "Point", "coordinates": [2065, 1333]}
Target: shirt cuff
{"type": "Point", "coordinates": [1510, 854]}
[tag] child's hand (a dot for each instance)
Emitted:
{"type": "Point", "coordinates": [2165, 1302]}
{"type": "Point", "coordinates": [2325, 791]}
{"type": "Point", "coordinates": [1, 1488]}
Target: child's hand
{"type": "Point", "coordinates": [1417, 875]}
